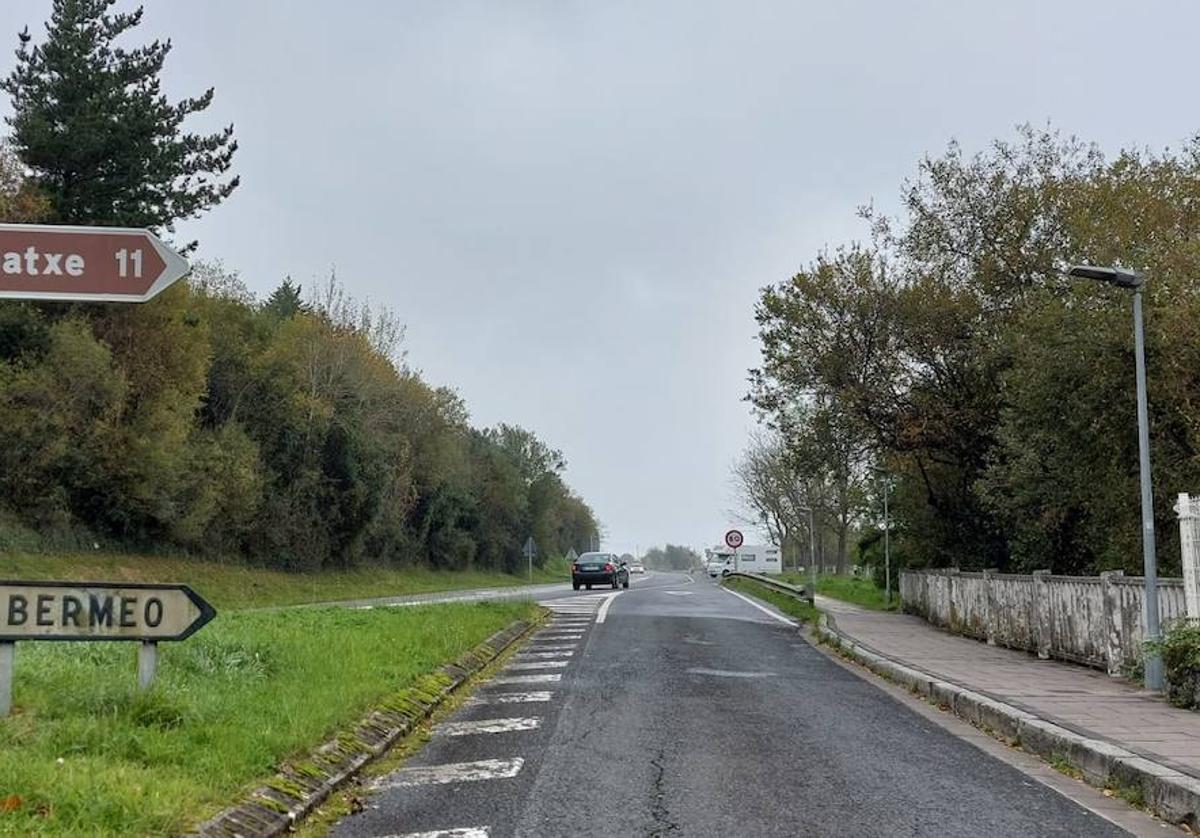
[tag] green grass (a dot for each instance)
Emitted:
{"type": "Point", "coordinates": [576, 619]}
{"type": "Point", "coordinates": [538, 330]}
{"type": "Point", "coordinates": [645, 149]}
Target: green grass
{"type": "Point", "coordinates": [85, 753]}
{"type": "Point", "coordinates": [796, 608]}
{"type": "Point", "coordinates": [230, 586]}
{"type": "Point", "coordinates": [855, 589]}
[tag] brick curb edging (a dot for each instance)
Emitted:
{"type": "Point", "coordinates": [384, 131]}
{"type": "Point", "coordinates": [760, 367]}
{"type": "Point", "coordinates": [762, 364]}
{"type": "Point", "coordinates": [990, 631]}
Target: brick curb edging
{"type": "Point", "coordinates": [1169, 794]}
{"type": "Point", "coordinates": [301, 786]}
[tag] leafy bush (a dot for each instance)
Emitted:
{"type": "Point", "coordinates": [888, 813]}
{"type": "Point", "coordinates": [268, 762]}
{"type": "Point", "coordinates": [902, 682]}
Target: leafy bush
{"type": "Point", "coordinates": [1180, 650]}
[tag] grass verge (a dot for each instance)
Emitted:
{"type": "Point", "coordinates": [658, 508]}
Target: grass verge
{"type": "Point", "coordinates": [795, 608]}
{"type": "Point", "coordinates": [853, 589]}
{"type": "Point", "coordinates": [231, 586]}
{"type": "Point", "coordinates": [85, 753]}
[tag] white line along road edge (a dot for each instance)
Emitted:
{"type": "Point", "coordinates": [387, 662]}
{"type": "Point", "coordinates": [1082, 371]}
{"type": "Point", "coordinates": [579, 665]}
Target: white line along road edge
{"type": "Point", "coordinates": [762, 608]}
{"type": "Point", "coordinates": [602, 614]}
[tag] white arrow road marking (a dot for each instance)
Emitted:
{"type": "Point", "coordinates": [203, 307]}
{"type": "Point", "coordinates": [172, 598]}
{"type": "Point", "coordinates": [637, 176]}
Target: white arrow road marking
{"type": "Point", "coordinates": [548, 678]}
{"type": "Point", "coordinates": [486, 726]}
{"type": "Point", "coordinates": [510, 698]}
{"type": "Point", "coordinates": [455, 772]}
{"type": "Point", "coordinates": [518, 666]}
{"type": "Point", "coordinates": [602, 614]}
{"type": "Point", "coordinates": [461, 832]}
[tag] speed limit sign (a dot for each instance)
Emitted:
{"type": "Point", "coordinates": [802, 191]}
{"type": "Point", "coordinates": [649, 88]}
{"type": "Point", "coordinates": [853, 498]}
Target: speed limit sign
{"type": "Point", "coordinates": [733, 539]}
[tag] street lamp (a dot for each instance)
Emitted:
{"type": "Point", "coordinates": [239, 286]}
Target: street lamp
{"type": "Point", "coordinates": [887, 539]}
{"type": "Point", "coordinates": [1133, 280]}
{"type": "Point", "coordinates": [812, 551]}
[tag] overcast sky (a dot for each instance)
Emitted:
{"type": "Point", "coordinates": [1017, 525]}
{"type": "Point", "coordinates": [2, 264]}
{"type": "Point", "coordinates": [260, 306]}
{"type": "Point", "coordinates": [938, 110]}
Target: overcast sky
{"type": "Point", "coordinates": [572, 205]}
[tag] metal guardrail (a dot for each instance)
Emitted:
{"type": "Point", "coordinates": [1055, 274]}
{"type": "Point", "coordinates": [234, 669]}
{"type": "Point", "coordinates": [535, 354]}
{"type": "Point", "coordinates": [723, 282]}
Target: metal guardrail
{"type": "Point", "coordinates": [797, 591]}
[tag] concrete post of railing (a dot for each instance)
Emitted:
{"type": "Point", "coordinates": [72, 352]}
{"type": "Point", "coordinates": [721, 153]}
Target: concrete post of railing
{"type": "Point", "coordinates": [1112, 621]}
{"type": "Point", "coordinates": [1044, 627]}
{"type": "Point", "coordinates": [990, 611]}
{"type": "Point", "coordinates": [952, 611]}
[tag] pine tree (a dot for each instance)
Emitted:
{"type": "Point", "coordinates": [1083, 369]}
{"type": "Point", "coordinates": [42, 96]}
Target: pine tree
{"type": "Point", "coordinates": [104, 144]}
{"type": "Point", "coordinates": [286, 301]}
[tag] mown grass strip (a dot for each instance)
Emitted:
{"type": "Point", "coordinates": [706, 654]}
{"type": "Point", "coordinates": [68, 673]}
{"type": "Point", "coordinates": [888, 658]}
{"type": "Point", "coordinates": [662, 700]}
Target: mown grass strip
{"type": "Point", "coordinates": [232, 586]}
{"type": "Point", "coordinates": [86, 753]}
{"type": "Point", "coordinates": [796, 608]}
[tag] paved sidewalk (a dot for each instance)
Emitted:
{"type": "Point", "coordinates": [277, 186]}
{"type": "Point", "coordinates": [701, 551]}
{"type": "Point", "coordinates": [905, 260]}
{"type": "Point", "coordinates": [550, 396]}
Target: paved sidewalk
{"type": "Point", "coordinates": [1083, 700]}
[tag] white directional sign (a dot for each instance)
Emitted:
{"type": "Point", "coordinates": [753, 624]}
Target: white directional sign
{"type": "Point", "coordinates": [99, 611]}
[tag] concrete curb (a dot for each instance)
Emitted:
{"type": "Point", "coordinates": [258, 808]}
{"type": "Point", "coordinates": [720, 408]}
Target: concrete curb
{"type": "Point", "coordinates": [1169, 794]}
{"type": "Point", "coordinates": [301, 786]}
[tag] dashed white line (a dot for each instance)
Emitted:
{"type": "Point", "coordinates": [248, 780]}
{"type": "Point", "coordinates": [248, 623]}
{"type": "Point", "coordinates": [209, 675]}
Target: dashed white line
{"type": "Point", "coordinates": [547, 678]}
{"type": "Point", "coordinates": [544, 655]}
{"type": "Point", "coordinates": [511, 698]}
{"type": "Point", "coordinates": [461, 832]}
{"type": "Point", "coordinates": [602, 614]}
{"type": "Point", "coordinates": [527, 665]}
{"type": "Point", "coordinates": [476, 726]}
{"type": "Point", "coordinates": [455, 772]}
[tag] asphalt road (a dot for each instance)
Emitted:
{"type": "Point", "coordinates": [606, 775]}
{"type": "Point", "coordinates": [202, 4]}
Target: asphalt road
{"type": "Point", "coordinates": [688, 711]}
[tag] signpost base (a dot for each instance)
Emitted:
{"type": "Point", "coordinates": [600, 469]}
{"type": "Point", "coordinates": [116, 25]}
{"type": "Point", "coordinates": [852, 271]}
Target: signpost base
{"type": "Point", "coordinates": [147, 664]}
{"type": "Point", "coordinates": [8, 652]}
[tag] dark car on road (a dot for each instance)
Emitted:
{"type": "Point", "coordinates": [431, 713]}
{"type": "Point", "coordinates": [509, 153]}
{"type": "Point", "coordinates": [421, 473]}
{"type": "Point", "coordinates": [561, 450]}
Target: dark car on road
{"type": "Point", "coordinates": [599, 569]}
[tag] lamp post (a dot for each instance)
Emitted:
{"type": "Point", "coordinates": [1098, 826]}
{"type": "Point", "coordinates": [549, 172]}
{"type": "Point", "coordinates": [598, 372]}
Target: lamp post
{"type": "Point", "coordinates": [1133, 280]}
{"type": "Point", "coordinates": [887, 539]}
{"type": "Point", "coordinates": [812, 552]}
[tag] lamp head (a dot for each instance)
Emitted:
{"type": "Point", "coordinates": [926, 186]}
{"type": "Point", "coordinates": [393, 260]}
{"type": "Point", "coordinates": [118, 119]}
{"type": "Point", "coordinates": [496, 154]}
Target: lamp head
{"type": "Point", "coordinates": [1121, 277]}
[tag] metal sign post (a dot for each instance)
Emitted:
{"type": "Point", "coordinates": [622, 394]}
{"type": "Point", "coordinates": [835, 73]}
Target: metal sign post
{"type": "Point", "coordinates": [7, 654]}
{"type": "Point", "coordinates": [530, 551]}
{"type": "Point", "coordinates": [75, 611]}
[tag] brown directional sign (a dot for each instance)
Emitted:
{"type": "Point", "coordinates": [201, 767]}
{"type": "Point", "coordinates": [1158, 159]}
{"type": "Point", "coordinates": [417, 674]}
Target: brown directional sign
{"type": "Point", "coordinates": [100, 611]}
{"type": "Point", "coordinates": [98, 264]}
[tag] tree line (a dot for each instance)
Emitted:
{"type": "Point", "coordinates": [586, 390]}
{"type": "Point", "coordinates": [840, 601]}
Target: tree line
{"type": "Point", "coordinates": [671, 557]}
{"type": "Point", "coordinates": [289, 429]}
{"type": "Point", "coordinates": [950, 358]}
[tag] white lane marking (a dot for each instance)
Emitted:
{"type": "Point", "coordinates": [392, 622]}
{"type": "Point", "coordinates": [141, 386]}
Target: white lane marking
{"type": "Point", "coordinates": [486, 726]}
{"type": "Point", "coordinates": [679, 593]}
{"type": "Point", "coordinates": [602, 614]}
{"type": "Point", "coordinates": [544, 655]}
{"type": "Point", "coordinates": [761, 608]}
{"type": "Point", "coordinates": [575, 635]}
{"type": "Point", "coordinates": [454, 772]}
{"type": "Point", "coordinates": [729, 673]}
{"type": "Point", "coordinates": [461, 832]}
{"type": "Point", "coordinates": [549, 647]}
{"type": "Point", "coordinates": [511, 698]}
{"type": "Point", "coordinates": [517, 666]}
{"type": "Point", "coordinates": [547, 678]}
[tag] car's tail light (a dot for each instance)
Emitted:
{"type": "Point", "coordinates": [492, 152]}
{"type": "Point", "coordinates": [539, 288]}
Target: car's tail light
{"type": "Point", "coordinates": [608, 568]}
